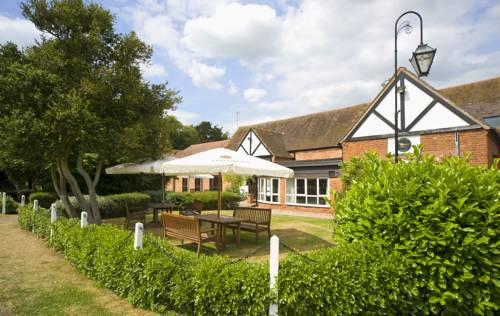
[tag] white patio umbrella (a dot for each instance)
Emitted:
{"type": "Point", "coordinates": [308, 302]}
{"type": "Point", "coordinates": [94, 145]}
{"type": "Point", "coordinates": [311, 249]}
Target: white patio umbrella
{"type": "Point", "coordinates": [147, 167]}
{"type": "Point", "coordinates": [224, 161]}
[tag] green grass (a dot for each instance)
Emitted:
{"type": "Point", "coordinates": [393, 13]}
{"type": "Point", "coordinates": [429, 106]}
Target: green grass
{"type": "Point", "coordinates": [300, 233]}
{"type": "Point", "coordinates": [63, 300]}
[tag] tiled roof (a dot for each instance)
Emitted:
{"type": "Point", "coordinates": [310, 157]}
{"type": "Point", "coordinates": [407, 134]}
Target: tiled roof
{"type": "Point", "coordinates": [326, 129]}
{"type": "Point", "coordinates": [198, 148]}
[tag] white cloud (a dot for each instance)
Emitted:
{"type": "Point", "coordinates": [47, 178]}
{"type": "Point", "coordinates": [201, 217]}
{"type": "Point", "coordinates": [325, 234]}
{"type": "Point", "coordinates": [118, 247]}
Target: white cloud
{"type": "Point", "coordinates": [18, 30]}
{"type": "Point", "coordinates": [248, 32]}
{"type": "Point", "coordinates": [206, 76]}
{"type": "Point", "coordinates": [185, 117]}
{"type": "Point", "coordinates": [254, 95]}
{"type": "Point", "coordinates": [153, 70]}
{"type": "Point", "coordinates": [313, 55]}
{"type": "Point", "coordinates": [232, 88]}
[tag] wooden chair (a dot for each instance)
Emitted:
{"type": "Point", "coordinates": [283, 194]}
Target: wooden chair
{"type": "Point", "coordinates": [254, 220]}
{"type": "Point", "coordinates": [136, 214]}
{"type": "Point", "coordinates": [191, 209]}
{"type": "Point", "coordinates": [187, 228]}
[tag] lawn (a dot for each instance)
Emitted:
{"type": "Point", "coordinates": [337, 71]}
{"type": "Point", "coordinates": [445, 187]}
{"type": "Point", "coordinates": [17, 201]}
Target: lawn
{"type": "Point", "coordinates": [35, 280]}
{"type": "Point", "coordinates": [297, 232]}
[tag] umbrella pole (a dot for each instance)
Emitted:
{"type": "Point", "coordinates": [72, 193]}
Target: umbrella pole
{"type": "Point", "coordinates": [162, 187]}
{"type": "Point", "coordinates": [219, 197]}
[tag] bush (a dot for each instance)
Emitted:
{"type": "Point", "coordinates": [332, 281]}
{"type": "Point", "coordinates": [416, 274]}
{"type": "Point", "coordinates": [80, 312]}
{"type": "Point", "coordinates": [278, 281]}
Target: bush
{"type": "Point", "coordinates": [10, 205]}
{"type": "Point", "coordinates": [442, 216]}
{"type": "Point", "coordinates": [113, 205]}
{"type": "Point", "coordinates": [160, 277]}
{"type": "Point", "coordinates": [351, 279]}
{"type": "Point", "coordinates": [45, 199]}
{"type": "Point", "coordinates": [209, 198]}
{"type": "Point", "coordinates": [156, 196]}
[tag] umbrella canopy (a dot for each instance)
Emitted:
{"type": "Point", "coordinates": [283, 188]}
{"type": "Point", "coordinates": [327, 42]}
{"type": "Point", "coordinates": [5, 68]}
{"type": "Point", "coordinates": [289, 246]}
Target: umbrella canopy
{"type": "Point", "coordinates": [150, 167]}
{"type": "Point", "coordinates": [224, 161]}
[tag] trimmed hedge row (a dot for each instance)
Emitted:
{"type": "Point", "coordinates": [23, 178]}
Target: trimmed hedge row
{"type": "Point", "coordinates": [113, 205]}
{"type": "Point", "coordinates": [349, 280]}
{"type": "Point", "coordinates": [45, 199]}
{"type": "Point", "coordinates": [160, 277]}
{"type": "Point", "coordinates": [443, 216]}
{"type": "Point", "coordinates": [10, 205]}
{"type": "Point", "coordinates": [209, 198]}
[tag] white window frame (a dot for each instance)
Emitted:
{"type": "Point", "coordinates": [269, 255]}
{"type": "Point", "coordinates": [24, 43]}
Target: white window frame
{"type": "Point", "coordinates": [306, 195]}
{"type": "Point", "coordinates": [261, 195]}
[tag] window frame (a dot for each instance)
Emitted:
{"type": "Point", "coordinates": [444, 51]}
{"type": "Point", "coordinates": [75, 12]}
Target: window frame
{"type": "Point", "coordinates": [185, 188]}
{"type": "Point", "coordinates": [197, 184]}
{"type": "Point", "coordinates": [261, 195]}
{"type": "Point", "coordinates": [306, 195]}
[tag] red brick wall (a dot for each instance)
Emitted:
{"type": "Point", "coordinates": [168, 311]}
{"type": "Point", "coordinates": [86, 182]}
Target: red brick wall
{"type": "Point", "coordinates": [480, 143]}
{"type": "Point", "coordinates": [357, 148]}
{"type": "Point", "coordinates": [319, 154]}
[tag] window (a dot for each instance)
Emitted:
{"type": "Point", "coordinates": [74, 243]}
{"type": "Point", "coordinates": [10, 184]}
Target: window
{"type": "Point", "coordinates": [185, 184]}
{"type": "Point", "coordinates": [213, 183]}
{"type": "Point", "coordinates": [307, 191]}
{"type": "Point", "coordinates": [492, 121]}
{"type": "Point", "coordinates": [268, 190]}
{"type": "Point", "coordinates": [197, 184]}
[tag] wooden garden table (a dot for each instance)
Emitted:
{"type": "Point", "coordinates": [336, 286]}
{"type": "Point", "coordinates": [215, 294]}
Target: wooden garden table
{"type": "Point", "coordinates": [161, 207]}
{"type": "Point", "coordinates": [222, 221]}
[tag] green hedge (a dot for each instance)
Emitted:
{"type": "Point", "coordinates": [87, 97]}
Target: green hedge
{"type": "Point", "coordinates": [10, 205]}
{"type": "Point", "coordinates": [45, 199]}
{"type": "Point", "coordinates": [442, 216]}
{"type": "Point", "coordinates": [160, 277]}
{"type": "Point", "coordinates": [349, 280]}
{"type": "Point", "coordinates": [114, 205]}
{"type": "Point", "coordinates": [209, 198]}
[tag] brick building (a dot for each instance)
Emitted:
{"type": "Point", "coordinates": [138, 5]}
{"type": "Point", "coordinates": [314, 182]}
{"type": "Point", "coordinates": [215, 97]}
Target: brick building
{"type": "Point", "coordinates": [453, 121]}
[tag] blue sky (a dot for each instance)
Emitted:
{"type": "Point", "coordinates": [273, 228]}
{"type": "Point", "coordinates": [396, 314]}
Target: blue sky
{"type": "Point", "coordinates": [275, 59]}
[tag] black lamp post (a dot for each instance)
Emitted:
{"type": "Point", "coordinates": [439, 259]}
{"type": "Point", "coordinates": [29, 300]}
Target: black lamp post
{"type": "Point", "coordinates": [421, 61]}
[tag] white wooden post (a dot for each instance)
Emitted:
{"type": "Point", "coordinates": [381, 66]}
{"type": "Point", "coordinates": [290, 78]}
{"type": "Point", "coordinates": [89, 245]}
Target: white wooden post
{"type": "Point", "coordinates": [83, 220]}
{"type": "Point", "coordinates": [53, 218]}
{"type": "Point", "coordinates": [23, 200]}
{"type": "Point", "coordinates": [139, 229]}
{"type": "Point", "coordinates": [36, 208]}
{"type": "Point", "coordinates": [53, 213]}
{"type": "Point", "coordinates": [274, 261]}
{"type": "Point", "coordinates": [4, 203]}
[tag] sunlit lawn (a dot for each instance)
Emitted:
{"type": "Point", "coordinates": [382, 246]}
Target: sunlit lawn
{"type": "Point", "coordinates": [300, 233]}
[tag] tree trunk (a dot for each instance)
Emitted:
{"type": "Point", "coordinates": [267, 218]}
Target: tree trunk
{"type": "Point", "coordinates": [75, 188]}
{"type": "Point", "coordinates": [91, 186]}
{"type": "Point", "coordinates": [59, 183]}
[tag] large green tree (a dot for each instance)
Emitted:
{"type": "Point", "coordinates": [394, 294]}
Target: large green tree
{"type": "Point", "coordinates": [76, 99]}
{"type": "Point", "coordinates": [209, 132]}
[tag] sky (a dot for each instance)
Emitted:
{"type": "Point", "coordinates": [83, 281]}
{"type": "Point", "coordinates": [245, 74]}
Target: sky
{"type": "Point", "coordinates": [245, 62]}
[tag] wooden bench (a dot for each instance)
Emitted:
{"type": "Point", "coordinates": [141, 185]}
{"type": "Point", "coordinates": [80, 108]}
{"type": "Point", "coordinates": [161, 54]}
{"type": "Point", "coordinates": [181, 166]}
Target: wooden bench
{"type": "Point", "coordinates": [254, 220]}
{"type": "Point", "coordinates": [135, 213]}
{"type": "Point", "coordinates": [186, 228]}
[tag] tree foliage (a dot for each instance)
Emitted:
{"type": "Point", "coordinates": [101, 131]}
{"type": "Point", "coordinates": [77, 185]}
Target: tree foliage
{"type": "Point", "coordinates": [77, 100]}
{"type": "Point", "coordinates": [209, 132]}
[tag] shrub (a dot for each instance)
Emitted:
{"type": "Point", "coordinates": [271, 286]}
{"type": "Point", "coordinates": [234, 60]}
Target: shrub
{"type": "Point", "coordinates": [351, 279]}
{"type": "Point", "coordinates": [113, 205]}
{"type": "Point", "coordinates": [442, 216]}
{"type": "Point", "coordinates": [160, 277]}
{"type": "Point", "coordinates": [10, 204]}
{"type": "Point", "coordinates": [209, 198]}
{"type": "Point", "coordinates": [156, 196]}
{"type": "Point", "coordinates": [45, 199]}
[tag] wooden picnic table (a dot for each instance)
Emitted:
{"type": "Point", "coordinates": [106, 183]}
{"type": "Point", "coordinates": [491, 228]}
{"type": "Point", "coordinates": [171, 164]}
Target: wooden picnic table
{"type": "Point", "coordinates": [162, 207]}
{"type": "Point", "coordinates": [222, 222]}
